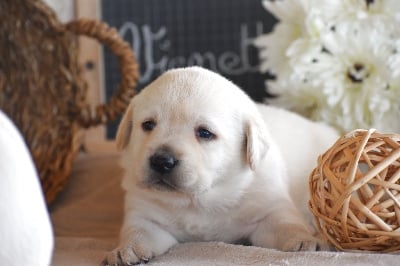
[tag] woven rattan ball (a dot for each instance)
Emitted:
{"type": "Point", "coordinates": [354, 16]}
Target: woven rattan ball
{"type": "Point", "coordinates": [355, 192]}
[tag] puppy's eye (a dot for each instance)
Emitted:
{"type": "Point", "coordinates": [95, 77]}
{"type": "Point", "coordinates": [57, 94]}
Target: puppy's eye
{"type": "Point", "coordinates": [148, 125]}
{"type": "Point", "coordinates": [205, 134]}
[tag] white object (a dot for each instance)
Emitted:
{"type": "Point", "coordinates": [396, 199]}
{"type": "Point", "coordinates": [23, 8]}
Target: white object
{"type": "Point", "coordinates": [25, 229]}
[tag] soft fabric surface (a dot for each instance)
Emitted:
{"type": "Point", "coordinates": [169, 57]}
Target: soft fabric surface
{"type": "Point", "coordinates": [88, 213]}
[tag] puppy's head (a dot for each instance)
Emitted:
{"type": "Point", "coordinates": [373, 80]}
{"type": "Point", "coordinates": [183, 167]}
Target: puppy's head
{"type": "Point", "coordinates": [188, 131]}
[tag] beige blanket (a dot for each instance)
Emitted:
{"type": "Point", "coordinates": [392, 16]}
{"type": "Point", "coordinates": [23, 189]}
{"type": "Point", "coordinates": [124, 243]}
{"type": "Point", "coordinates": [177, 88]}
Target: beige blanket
{"type": "Point", "coordinates": [88, 213]}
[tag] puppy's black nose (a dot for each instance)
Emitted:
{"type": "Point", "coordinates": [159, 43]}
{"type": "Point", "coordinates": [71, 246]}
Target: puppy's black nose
{"type": "Point", "coordinates": [163, 162]}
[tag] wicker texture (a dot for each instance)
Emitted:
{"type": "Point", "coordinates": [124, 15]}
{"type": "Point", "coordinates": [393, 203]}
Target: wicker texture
{"type": "Point", "coordinates": [41, 88]}
{"type": "Point", "coordinates": [354, 192]}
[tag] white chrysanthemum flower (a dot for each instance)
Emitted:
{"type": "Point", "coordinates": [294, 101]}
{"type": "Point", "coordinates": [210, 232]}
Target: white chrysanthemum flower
{"type": "Point", "coordinates": [273, 46]}
{"type": "Point", "coordinates": [343, 67]}
{"type": "Point", "coordinates": [351, 73]}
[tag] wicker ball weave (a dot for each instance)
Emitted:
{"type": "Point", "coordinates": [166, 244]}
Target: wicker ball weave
{"type": "Point", "coordinates": [355, 192]}
{"type": "Point", "coordinates": [41, 88]}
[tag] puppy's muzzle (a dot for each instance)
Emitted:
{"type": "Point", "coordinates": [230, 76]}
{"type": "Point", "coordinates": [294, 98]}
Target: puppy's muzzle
{"type": "Point", "coordinates": [163, 162]}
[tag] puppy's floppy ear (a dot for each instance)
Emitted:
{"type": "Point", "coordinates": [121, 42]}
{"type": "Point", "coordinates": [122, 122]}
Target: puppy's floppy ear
{"type": "Point", "coordinates": [257, 140]}
{"type": "Point", "coordinates": [125, 128]}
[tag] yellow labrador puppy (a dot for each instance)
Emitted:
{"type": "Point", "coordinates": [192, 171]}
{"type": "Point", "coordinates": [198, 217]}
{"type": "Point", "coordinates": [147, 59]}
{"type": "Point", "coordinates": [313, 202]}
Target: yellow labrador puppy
{"type": "Point", "coordinates": [203, 162]}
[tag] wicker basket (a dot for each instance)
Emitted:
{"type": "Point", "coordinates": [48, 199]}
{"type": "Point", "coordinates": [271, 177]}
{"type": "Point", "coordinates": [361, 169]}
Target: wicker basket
{"type": "Point", "coordinates": [355, 192]}
{"type": "Point", "coordinates": [41, 88]}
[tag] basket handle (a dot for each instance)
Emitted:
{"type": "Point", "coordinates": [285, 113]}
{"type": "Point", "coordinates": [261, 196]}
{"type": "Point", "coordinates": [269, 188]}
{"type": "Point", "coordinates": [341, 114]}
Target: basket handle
{"type": "Point", "coordinates": [104, 113]}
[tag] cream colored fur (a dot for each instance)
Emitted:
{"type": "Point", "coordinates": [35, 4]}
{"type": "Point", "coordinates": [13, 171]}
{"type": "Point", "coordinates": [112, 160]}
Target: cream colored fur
{"type": "Point", "coordinates": [247, 182]}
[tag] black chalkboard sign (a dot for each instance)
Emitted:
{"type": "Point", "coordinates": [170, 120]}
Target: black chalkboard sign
{"type": "Point", "coordinates": [216, 34]}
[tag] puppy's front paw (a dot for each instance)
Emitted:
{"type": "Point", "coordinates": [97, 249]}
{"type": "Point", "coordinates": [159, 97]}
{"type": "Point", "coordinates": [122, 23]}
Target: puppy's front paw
{"type": "Point", "coordinates": [127, 255]}
{"type": "Point", "coordinates": [138, 245]}
{"type": "Point", "coordinates": [302, 241]}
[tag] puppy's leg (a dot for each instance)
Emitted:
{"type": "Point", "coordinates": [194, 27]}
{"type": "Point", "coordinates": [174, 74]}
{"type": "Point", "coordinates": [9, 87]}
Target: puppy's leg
{"type": "Point", "coordinates": [139, 243]}
{"type": "Point", "coordinates": [285, 229]}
